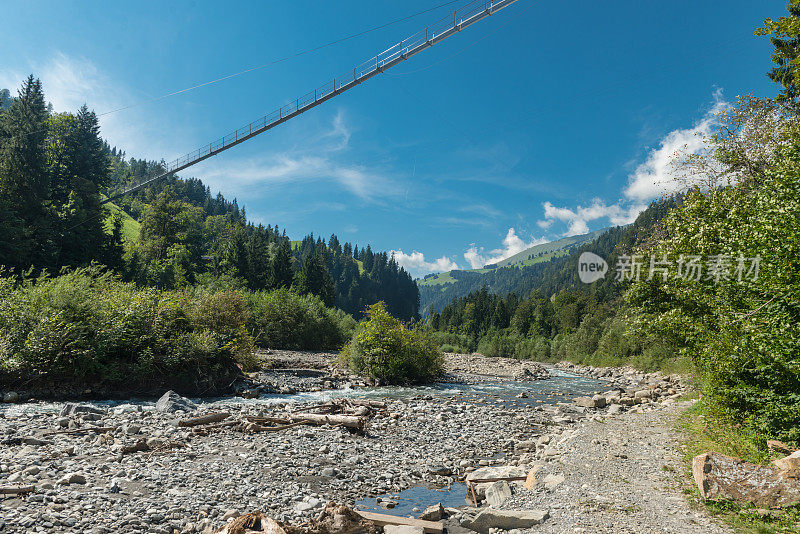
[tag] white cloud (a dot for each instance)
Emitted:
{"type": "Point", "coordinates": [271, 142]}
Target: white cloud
{"type": "Point", "coordinates": [653, 178]}
{"type": "Point", "coordinates": [577, 219]}
{"type": "Point", "coordinates": [69, 82]}
{"type": "Point", "coordinates": [416, 264]}
{"type": "Point", "coordinates": [512, 244]}
{"type": "Point", "coordinates": [657, 175]}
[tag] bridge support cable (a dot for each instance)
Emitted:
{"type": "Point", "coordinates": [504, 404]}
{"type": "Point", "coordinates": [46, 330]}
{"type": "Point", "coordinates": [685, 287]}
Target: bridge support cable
{"type": "Point", "coordinates": [460, 18]}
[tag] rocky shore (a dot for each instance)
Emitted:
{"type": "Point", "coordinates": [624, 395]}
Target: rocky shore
{"type": "Point", "coordinates": [87, 479]}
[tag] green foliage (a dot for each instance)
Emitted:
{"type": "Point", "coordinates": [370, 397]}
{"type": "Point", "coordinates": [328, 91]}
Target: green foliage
{"type": "Point", "coordinates": [52, 169]}
{"type": "Point", "coordinates": [744, 334]}
{"type": "Point", "coordinates": [452, 342]}
{"type": "Point", "coordinates": [86, 325]}
{"type": "Point", "coordinates": [314, 278]}
{"type": "Point", "coordinates": [283, 319]}
{"type": "Point", "coordinates": [785, 38]}
{"type": "Point", "coordinates": [384, 348]}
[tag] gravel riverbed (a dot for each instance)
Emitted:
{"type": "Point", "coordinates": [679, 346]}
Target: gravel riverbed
{"type": "Point", "coordinates": [607, 457]}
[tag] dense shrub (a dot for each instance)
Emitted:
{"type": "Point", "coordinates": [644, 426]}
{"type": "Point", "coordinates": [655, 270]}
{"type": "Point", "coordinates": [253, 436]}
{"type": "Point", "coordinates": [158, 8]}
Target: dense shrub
{"type": "Point", "coordinates": [87, 325]}
{"type": "Point", "coordinates": [384, 348]}
{"type": "Point", "coordinates": [450, 342]}
{"type": "Point", "coordinates": [498, 344]}
{"type": "Point", "coordinates": [283, 319]}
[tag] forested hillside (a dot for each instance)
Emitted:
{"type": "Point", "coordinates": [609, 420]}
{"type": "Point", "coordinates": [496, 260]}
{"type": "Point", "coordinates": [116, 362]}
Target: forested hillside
{"type": "Point", "coordinates": [545, 312]}
{"type": "Point", "coordinates": [548, 277]}
{"type": "Point", "coordinates": [55, 169]}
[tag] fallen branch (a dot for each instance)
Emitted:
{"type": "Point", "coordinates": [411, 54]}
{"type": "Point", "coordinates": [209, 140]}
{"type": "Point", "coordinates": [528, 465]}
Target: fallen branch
{"type": "Point", "coordinates": [95, 429]}
{"type": "Point", "coordinates": [204, 419]}
{"type": "Point", "coordinates": [356, 422]}
{"type": "Point", "coordinates": [16, 490]}
{"type": "Point", "coordinates": [139, 446]}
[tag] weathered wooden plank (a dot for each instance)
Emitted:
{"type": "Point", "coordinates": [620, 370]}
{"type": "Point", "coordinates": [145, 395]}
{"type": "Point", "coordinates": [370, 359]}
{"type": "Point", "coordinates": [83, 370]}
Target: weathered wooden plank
{"type": "Point", "coordinates": [431, 527]}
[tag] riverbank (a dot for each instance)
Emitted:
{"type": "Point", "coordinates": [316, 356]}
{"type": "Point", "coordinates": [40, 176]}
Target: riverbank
{"type": "Point", "coordinates": [189, 482]}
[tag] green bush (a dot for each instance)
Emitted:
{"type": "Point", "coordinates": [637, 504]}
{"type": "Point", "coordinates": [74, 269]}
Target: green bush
{"type": "Point", "coordinates": [87, 326]}
{"type": "Point", "coordinates": [283, 319]}
{"type": "Point", "coordinates": [450, 342]}
{"type": "Point", "coordinates": [498, 344]}
{"type": "Point", "coordinates": [384, 348]}
{"type": "Point", "coordinates": [533, 348]}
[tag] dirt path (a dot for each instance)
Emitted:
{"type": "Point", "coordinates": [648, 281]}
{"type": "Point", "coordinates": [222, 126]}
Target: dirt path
{"type": "Point", "coordinates": [621, 474]}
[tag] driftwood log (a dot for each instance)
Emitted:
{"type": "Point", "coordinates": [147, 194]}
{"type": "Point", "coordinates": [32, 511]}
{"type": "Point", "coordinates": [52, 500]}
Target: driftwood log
{"type": "Point", "coordinates": [204, 419]}
{"type": "Point", "coordinates": [356, 422]}
{"type": "Point", "coordinates": [16, 490]}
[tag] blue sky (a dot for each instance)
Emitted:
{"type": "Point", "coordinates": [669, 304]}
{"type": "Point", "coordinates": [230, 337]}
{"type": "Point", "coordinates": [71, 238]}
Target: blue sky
{"type": "Point", "coordinates": [550, 118]}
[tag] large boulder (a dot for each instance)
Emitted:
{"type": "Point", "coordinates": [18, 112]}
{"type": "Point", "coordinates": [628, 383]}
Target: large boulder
{"type": "Point", "coordinates": [498, 493]}
{"type": "Point", "coordinates": [172, 402]}
{"type": "Point", "coordinates": [789, 463]}
{"type": "Point", "coordinates": [497, 472]}
{"type": "Point", "coordinates": [505, 519]}
{"type": "Point", "coordinates": [433, 513]}
{"type": "Point", "coordinates": [721, 477]}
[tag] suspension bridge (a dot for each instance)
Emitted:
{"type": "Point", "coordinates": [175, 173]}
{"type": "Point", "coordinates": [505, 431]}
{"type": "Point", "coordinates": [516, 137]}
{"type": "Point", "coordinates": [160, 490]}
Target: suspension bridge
{"type": "Point", "coordinates": [445, 27]}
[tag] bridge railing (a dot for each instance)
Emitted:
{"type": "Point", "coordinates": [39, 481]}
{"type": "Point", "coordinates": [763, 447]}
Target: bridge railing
{"type": "Point", "coordinates": [368, 67]}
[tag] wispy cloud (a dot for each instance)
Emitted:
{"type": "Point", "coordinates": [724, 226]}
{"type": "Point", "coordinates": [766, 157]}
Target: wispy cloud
{"type": "Point", "coordinates": [656, 176]}
{"type": "Point", "coordinates": [324, 158]}
{"type": "Point", "coordinates": [512, 244]}
{"type": "Point", "coordinates": [416, 264]}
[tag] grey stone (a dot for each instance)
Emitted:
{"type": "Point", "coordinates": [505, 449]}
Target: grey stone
{"type": "Point", "coordinates": [71, 478]}
{"type": "Point", "coordinates": [433, 513]}
{"type": "Point", "coordinates": [585, 402]}
{"type": "Point", "coordinates": [172, 402]}
{"type": "Point", "coordinates": [505, 519]}
{"type": "Point", "coordinates": [11, 396]}
{"type": "Point", "coordinates": [551, 481]}
{"type": "Point", "coordinates": [498, 493]}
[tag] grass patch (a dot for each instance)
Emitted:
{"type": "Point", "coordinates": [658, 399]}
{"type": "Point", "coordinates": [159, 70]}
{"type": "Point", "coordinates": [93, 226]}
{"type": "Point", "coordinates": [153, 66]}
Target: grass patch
{"type": "Point", "coordinates": [702, 431]}
{"type": "Point", "coordinates": [130, 226]}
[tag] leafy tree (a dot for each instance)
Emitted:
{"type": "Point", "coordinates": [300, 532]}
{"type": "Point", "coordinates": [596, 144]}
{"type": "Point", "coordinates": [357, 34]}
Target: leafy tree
{"type": "Point", "coordinates": [384, 348]}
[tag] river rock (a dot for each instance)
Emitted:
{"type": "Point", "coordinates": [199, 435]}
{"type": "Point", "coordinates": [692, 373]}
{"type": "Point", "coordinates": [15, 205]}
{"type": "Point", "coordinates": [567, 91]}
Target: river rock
{"type": "Point", "coordinates": [433, 513]}
{"type": "Point", "coordinates": [585, 402]}
{"type": "Point", "coordinates": [11, 396]}
{"type": "Point", "coordinates": [71, 478]}
{"type": "Point", "coordinates": [551, 481]}
{"type": "Point", "coordinates": [505, 471]}
{"type": "Point", "coordinates": [721, 477]}
{"type": "Point", "coordinates": [505, 519]}
{"type": "Point", "coordinates": [172, 402]}
{"type": "Point", "coordinates": [498, 493]}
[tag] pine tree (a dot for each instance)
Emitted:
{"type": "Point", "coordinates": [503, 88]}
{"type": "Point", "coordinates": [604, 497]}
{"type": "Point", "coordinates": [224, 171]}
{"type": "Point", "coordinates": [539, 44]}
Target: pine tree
{"type": "Point", "coordinates": [280, 268]}
{"type": "Point", "coordinates": [24, 177]}
{"type": "Point", "coordinates": [314, 278]}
